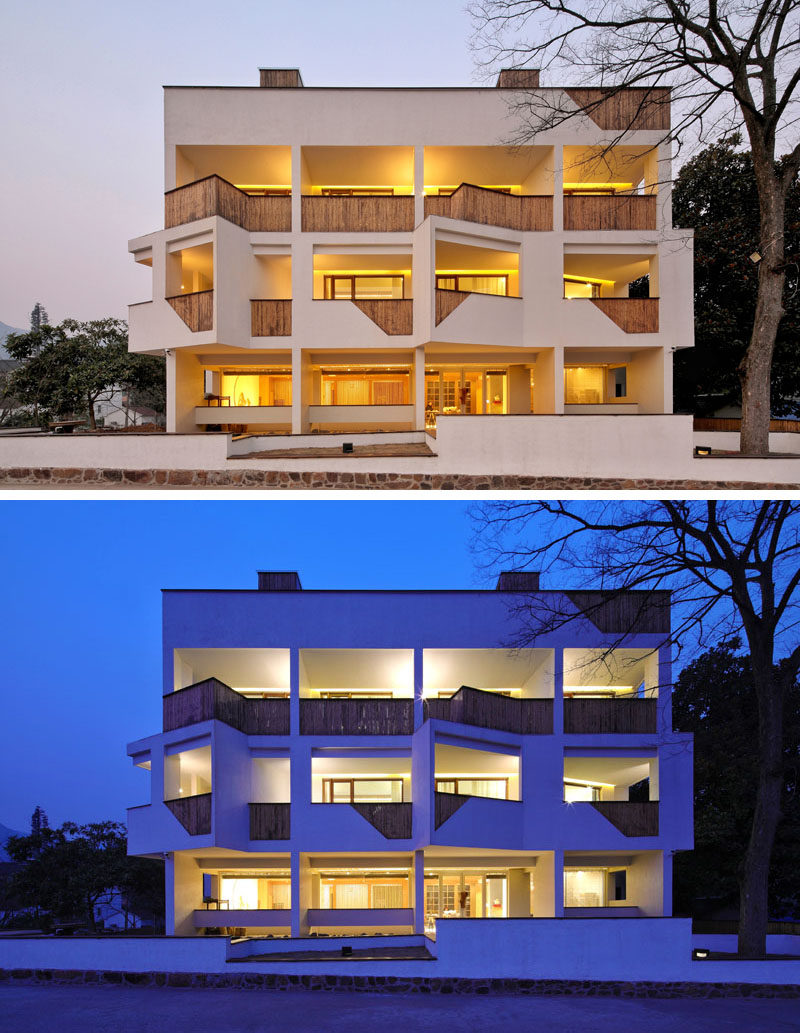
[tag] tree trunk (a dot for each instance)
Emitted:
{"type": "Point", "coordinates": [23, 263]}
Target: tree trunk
{"type": "Point", "coordinates": [755, 368]}
{"type": "Point", "coordinates": [754, 880]}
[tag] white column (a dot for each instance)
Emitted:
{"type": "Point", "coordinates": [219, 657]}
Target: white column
{"type": "Point", "coordinates": [418, 890]}
{"type": "Point", "coordinates": [419, 388]}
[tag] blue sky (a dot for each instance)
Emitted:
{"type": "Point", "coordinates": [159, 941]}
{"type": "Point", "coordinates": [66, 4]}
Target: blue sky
{"type": "Point", "coordinates": [80, 616]}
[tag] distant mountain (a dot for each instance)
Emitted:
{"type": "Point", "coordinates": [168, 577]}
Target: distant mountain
{"type": "Point", "coordinates": [5, 330]}
{"type": "Point", "coordinates": [5, 832]}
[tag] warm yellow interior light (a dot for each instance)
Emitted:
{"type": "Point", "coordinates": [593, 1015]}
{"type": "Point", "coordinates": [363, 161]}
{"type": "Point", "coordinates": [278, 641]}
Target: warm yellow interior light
{"type": "Point", "coordinates": [476, 272]}
{"type": "Point", "coordinates": [589, 783]}
{"type": "Point", "coordinates": [597, 688]}
{"type": "Point", "coordinates": [588, 279]}
{"type": "Point", "coordinates": [598, 186]}
{"type": "Point", "coordinates": [263, 186]}
{"type": "Point", "coordinates": [364, 272]}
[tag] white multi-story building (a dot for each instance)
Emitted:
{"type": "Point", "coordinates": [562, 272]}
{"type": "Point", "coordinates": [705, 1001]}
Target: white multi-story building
{"type": "Point", "coordinates": [377, 259]}
{"type": "Point", "coordinates": [361, 761]}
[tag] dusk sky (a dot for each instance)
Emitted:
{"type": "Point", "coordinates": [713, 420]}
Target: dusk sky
{"type": "Point", "coordinates": [81, 617]}
{"type": "Point", "coordinates": [82, 126]}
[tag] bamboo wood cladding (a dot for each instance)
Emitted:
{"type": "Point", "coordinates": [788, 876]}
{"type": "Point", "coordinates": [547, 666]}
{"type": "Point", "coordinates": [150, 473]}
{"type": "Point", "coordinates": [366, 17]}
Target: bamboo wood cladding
{"type": "Point", "coordinates": [633, 315]}
{"type": "Point", "coordinates": [393, 315]}
{"type": "Point", "coordinates": [357, 214]}
{"type": "Point", "coordinates": [216, 196]}
{"type": "Point", "coordinates": [356, 716]}
{"type": "Point", "coordinates": [632, 819]}
{"type": "Point", "coordinates": [493, 208]}
{"type": "Point", "coordinates": [518, 79]}
{"type": "Point", "coordinates": [610, 716]}
{"type": "Point", "coordinates": [270, 820]}
{"type": "Point", "coordinates": [716, 423]}
{"type": "Point", "coordinates": [392, 820]}
{"type": "Point", "coordinates": [490, 710]}
{"type": "Point", "coordinates": [445, 806]}
{"type": "Point", "coordinates": [620, 212]}
{"type": "Point", "coordinates": [271, 317]}
{"type": "Point", "coordinates": [634, 108]}
{"type": "Point", "coordinates": [447, 302]}
{"type": "Point", "coordinates": [642, 612]}
{"type": "Point", "coordinates": [279, 78]}
{"type": "Point", "coordinates": [196, 310]}
{"type": "Point", "coordinates": [212, 699]}
{"type": "Point", "coordinates": [193, 812]}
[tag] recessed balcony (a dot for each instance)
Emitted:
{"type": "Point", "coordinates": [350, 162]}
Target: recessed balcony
{"type": "Point", "coordinates": [356, 716]}
{"type": "Point", "coordinates": [491, 710]}
{"type": "Point", "coordinates": [610, 188]}
{"type": "Point", "coordinates": [216, 196]}
{"type": "Point", "coordinates": [610, 212]}
{"type": "Point", "coordinates": [357, 214]}
{"type": "Point", "coordinates": [610, 716]}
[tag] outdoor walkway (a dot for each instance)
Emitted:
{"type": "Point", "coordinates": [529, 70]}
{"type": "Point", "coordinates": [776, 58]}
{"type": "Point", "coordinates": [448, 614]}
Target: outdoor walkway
{"type": "Point", "coordinates": [111, 1009]}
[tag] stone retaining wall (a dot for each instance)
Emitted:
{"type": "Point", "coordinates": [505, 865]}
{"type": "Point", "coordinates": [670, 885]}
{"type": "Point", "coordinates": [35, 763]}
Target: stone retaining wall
{"type": "Point", "coordinates": [398, 984]}
{"type": "Point", "coordinates": [99, 477]}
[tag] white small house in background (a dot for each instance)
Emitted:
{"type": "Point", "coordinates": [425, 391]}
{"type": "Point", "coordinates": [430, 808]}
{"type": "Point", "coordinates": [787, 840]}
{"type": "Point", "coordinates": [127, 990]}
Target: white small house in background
{"type": "Point", "coordinates": [351, 762]}
{"type": "Point", "coordinates": [348, 259]}
{"type": "Point", "coordinates": [114, 409]}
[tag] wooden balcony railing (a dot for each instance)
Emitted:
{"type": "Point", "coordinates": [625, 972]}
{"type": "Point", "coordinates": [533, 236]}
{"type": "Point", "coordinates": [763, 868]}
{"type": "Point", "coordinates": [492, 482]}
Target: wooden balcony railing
{"type": "Point", "coordinates": [271, 317]}
{"type": "Point", "coordinates": [633, 315]}
{"type": "Point", "coordinates": [393, 315]}
{"type": "Point", "coordinates": [212, 699]}
{"type": "Point", "coordinates": [193, 812]}
{"type": "Point", "coordinates": [448, 301]}
{"type": "Point", "coordinates": [490, 710]}
{"type": "Point", "coordinates": [196, 310]}
{"type": "Point", "coordinates": [621, 212]}
{"type": "Point", "coordinates": [445, 806]}
{"type": "Point", "coordinates": [270, 820]}
{"type": "Point", "coordinates": [632, 819]}
{"type": "Point", "coordinates": [493, 208]}
{"type": "Point", "coordinates": [357, 214]}
{"type": "Point", "coordinates": [392, 820]}
{"type": "Point", "coordinates": [610, 716]}
{"type": "Point", "coordinates": [356, 716]}
{"type": "Point", "coordinates": [216, 196]}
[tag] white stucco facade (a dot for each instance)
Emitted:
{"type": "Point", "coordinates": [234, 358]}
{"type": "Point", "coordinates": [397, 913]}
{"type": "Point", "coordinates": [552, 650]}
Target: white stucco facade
{"type": "Point", "coordinates": [344, 763]}
{"type": "Point", "coordinates": [371, 259]}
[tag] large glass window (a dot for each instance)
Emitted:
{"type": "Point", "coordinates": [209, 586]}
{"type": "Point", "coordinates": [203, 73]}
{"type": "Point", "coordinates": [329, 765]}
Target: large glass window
{"type": "Point", "coordinates": [363, 288]}
{"type": "Point", "coordinates": [467, 391]}
{"type": "Point", "coordinates": [474, 284]}
{"type": "Point", "coordinates": [584, 888]}
{"type": "Point", "coordinates": [362, 790]}
{"type": "Point", "coordinates": [255, 894]}
{"type": "Point", "coordinates": [495, 788]}
{"type": "Point", "coordinates": [594, 385]}
{"type": "Point", "coordinates": [366, 387]}
{"type": "Point", "coordinates": [367, 892]}
{"type": "Point", "coordinates": [256, 387]}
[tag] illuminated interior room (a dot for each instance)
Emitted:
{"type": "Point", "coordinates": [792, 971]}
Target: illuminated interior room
{"type": "Point", "coordinates": [518, 170]}
{"type": "Point", "coordinates": [362, 277]}
{"type": "Point", "coordinates": [514, 673]}
{"type": "Point", "coordinates": [190, 270]}
{"type": "Point", "coordinates": [356, 673]}
{"type": "Point", "coordinates": [253, 168]}
{"type": "Point", "coordinates": [611, 673]}
{"type": "Point", "coordinates": [607, 171]}
{"type": "Point", "coordinates": [252, 672]}
{"type": "Point", "coordinates": [466, 771]}
{"type": "Point", "coordinates": [478, 270]}
{"type": "Point", "coordinates": [357, 171]}
{"type": "Point", "coordinates": [595, 275]}
{"type": "Point", "coordinates": [359, 779]}
{"type": "Point", "coordinates": [598, 779]}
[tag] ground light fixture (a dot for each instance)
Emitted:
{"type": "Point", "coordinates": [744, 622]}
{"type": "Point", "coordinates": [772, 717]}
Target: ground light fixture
{"type": "Point", "coordinates": [701, 953]}
{"type": "Point", "coordinates": [702, 450]}
{"type": "Point", "coordinates": [347, 447]}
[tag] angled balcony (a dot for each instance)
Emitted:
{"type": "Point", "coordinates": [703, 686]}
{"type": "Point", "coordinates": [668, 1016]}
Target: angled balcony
{"type": "Point", "coordinates": [632, 315]}
{"type": "Point", "coordinates": [471, 203]}
{"type": "Point", "coordinates": [195, 309]}
{"type": "Point", "coordinates": [631, 818]}
{"type": "Point", "coordinates": [213, 700]}
{"type": "Point", "coordinates": [214, 195]}
{"type": "Point", "coordinates": [193, 812]}
{"type": "Point", "coordinates": [491, 710]}
{"type": "Point", "coordinates": [392, 820]}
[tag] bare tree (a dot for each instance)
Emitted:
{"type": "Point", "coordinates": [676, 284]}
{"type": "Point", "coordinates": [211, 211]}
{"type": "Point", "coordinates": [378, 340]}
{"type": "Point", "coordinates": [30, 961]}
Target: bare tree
{"type": "Point", "coordinates": [732, 567]}
{"type": "Point", "coordinates": [728, 65]}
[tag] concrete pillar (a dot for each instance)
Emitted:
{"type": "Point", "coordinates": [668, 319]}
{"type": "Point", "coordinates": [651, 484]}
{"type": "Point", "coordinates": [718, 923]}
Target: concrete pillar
{"type": "Point", "coordinates": [418, 890]}
{"type": "Point", "coordinates": [519, 893]}
{"type": "Point", "coordinates": [544, 902]}
{"type": "Point", "coordinates": [297, 186]}
{"type": "Point", "coordinates": [558, 691]}
{"type": "Point", "coordinates": [419, 388]}
{"type": "Point", "coordinates": [419, 184]}
{"type": "Point", "coordinates": [171, 390]}
{"type": "Point", "coordinates": [298, 391]}
{"type": "Point", "coordinates": [302, 891]}
{"type": "Point", "coordinates": [184, 893]}
{"type": "Point", "coordinates": [419, 687]}
{"type": "Point", "coordinates": [558, 884]}
{"type": "Point", "coordinates": [294, 691]}
{"type": "Point", "coordinates": [558, 189]}
{"type": "Point", "coordinates": [519, 389]}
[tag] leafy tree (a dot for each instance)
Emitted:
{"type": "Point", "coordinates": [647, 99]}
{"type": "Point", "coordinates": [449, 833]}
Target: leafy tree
{"type": "Point", "coordinates": [67, 872]}
{"type": "Point", "coordinates": [730, 65]}
{"type": "Point", "coordinates": [39, 316]}
{"type": "Point", "coordinates": [733, 568]}
{"type": "Point", "coordinates": [39, 821]}
{"type": "Point", "coordinates": [713, 700]}
{"type": "Point", "coordinates": [66, 368]}
{"type": "Point", "coordinates": [716, 195]}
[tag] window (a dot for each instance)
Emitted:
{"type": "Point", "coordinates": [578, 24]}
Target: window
{"type": "Point", "coordinates": [358, 191]}
{"type": "Point", "coordinates": [254, 894]}
{"type": "Point", "coordinates": [494, 788]}
{"type": "Point", "coordinates": [365, 387]}
{"type": "Point", "coordinates": [473, 284]}
{"type": "Point", "coordinates": [369, 891]}
{"type": "Point", "coordinates": [578, 792]}
{"type": "Point", "coordinates": [594, 385]}
{"type": "Point", "coordinates": [251, 387]}
{"type": "Point", "coordinates": [363, 288]}
{"type": "Point", "coordinates": [362, 790]}
{"type": "Point", "coordinates": [584, 888]}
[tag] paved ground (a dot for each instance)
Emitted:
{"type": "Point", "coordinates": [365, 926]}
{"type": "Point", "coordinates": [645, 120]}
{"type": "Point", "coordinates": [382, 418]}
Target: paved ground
{"type": "Point", "coordinates": [111, 1009]}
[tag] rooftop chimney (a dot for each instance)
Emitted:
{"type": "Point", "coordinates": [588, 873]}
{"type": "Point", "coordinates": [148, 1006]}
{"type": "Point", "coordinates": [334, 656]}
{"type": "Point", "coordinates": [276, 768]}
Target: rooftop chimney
{"type": "Point", "coordinates": [280, 77]}
{"type": "Point", "coordinates": [518, 581]}
{"type": "Point", "coordinates": [279, 581]}
{"type": "Point", "coordinates": [518, 79]}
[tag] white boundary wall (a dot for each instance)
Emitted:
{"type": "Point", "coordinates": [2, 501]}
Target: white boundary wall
{"type": "Point", "coordinates": [610, 447]}
{"type": "Point", "coordinates": [597, 949]}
